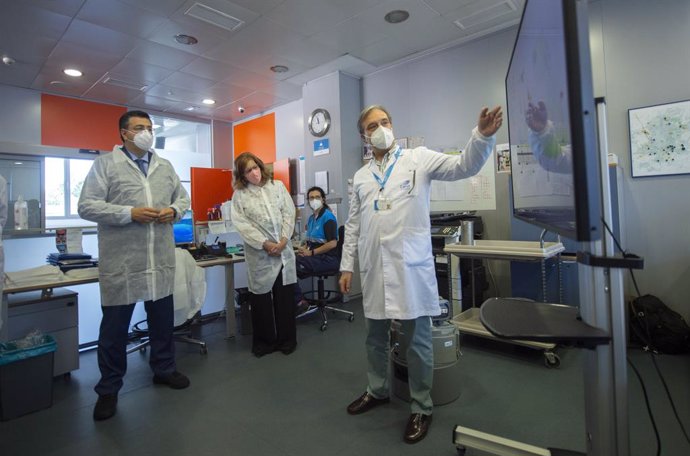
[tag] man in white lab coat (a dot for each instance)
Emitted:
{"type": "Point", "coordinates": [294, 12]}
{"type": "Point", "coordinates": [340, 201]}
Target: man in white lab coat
{"type": "Point", "coordinates": [388, 228]}
{"type": "Point", "coordinates": [134, 195]}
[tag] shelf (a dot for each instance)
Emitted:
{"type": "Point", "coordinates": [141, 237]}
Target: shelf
{"type": "Point", "coordinates": [506, 250]}
{"type": "Point", "coordinates": [529, 321]}
{"type": "Point", "coordinates": [468, 322]}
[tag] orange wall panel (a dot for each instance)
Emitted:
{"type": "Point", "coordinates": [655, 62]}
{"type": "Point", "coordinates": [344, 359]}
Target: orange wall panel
{"type": "Point", "coordinates": [210, 186]}
{"type": "Point", "coordinates": [281, 172]}
{"type": "Point", "coordinates": [257, 136]}
{"type": "Point", "coordinates": [68, 122]}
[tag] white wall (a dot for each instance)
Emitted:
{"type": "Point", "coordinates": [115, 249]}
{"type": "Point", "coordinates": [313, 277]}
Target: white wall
{"type": "Point", "coordinates": [439, 97]}
{"type": "Point", "coordinates": [647, 62]}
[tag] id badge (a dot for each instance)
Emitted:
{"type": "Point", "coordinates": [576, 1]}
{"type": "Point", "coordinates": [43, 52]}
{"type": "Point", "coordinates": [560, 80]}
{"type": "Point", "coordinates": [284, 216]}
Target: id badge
{"type": "Point", "coordinates": [382, 204]}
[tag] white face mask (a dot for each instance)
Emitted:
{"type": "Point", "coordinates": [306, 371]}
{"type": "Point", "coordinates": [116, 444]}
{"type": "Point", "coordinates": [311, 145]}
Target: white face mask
{"type": "Point", "coordinates": [382, 138]}
{"type": "Point", "coordinates": [315, 204]}
{"type": "Point", "coordinates": [254, 176]}
{"type": "Point", "coordinates": [143, 139]}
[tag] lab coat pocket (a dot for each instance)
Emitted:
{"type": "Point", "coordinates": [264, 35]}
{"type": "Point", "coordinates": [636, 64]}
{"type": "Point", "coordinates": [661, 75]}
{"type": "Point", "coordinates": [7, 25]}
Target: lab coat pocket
{"type": "Point", "coordinates": [416, 247]}
{"type": "Point", "coordinates": [405, 185]}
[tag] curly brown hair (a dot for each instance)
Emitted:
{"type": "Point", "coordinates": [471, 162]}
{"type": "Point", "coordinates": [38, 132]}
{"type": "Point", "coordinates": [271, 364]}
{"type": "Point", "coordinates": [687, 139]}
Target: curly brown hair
{"type": "Point", "coordinates": [241, 162]}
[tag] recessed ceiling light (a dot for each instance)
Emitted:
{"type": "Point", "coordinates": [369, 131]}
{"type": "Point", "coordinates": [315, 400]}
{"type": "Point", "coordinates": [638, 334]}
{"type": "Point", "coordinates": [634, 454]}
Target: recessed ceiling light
{"type": "Point", "coordinates": [7, 60]}
{"type": "Point", "coordinates": [396, 16]}
{"type": "Point", "coordinates": [72, 72]}
{"type": "Point", "coordinates": [190, 108]}
{"type": "Point", "coordinates": [279, 69]}
{"type": "Point", "coordinates": [208, 101]}
{"type": "Point", "coordinates": [189, 40]}
{"type": "Point", "coordinates": [18, 163]}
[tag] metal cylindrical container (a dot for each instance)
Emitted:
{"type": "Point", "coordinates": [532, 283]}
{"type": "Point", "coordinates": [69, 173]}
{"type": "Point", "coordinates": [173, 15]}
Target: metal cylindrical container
{"type": "Point", "coordinates": [467, 232]}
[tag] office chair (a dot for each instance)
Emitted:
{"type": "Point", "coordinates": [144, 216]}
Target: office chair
{"type": "Point", "coordinates": [181, 333]}
{"type": "Point", "coordinates": [321, 298]}
{"type": "Point", "coordinates": [190, 290]}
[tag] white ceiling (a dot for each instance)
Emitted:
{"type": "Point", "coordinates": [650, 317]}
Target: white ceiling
{"type": "Point", "coordinates": [131, 41]}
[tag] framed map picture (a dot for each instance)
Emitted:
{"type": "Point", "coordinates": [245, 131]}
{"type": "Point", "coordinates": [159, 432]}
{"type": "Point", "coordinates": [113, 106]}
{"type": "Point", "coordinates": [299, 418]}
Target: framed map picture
{"type": "Point", "coordinates": [660, 139]}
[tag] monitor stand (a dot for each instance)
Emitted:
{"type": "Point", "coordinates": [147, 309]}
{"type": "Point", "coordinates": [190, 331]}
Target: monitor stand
{"type": "Point", "coordinates": [600, 330]}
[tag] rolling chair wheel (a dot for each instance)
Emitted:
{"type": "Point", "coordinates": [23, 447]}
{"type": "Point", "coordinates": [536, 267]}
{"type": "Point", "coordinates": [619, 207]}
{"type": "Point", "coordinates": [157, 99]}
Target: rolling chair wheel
{"type": "Point", "coordinates": [203, 350]}
{"type": "Point", "coordinates": [351, 318]}
{"type": "Point", "coordinates": [324, 327]}
{"type": "Point", "coordinates": [142, 350]}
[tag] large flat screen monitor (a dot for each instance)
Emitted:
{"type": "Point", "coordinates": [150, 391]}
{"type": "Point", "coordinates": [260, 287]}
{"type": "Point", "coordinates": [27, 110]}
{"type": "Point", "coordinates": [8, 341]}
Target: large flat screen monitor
{"type": "Point", "coordinates": [551, 121]}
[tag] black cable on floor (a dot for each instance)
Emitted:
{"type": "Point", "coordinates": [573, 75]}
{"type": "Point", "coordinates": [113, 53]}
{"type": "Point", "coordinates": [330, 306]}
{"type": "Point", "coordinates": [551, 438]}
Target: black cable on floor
{"type": "Point", "coordinates": [651, 353]}
{"type": "Point", "coordinates": [668, 394]}
{"type": "Point", "coordinates": [649, 408]}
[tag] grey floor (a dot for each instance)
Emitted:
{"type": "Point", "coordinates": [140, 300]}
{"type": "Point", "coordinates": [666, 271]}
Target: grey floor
{"type": "Point", "coordinates": [295, 405]}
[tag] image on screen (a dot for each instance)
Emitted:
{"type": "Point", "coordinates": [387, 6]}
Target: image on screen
{"type": "Point", "coordinates": [548, 188]}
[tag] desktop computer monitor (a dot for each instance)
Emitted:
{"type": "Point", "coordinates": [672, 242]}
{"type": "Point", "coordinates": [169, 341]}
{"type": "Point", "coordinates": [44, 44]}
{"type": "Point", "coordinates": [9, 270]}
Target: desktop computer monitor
{"type": "Point", "coordinates": [183, 229]}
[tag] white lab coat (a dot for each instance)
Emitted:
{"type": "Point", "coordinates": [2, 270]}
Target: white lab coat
{"type": "Point", "coordinates": [190, 287]}
{"type": "Point", "coordinates": [260, 214]}
{"type": "Point", "coordinates": [136, 261]}
{"type": "Point", "coordinates": [394, 246]}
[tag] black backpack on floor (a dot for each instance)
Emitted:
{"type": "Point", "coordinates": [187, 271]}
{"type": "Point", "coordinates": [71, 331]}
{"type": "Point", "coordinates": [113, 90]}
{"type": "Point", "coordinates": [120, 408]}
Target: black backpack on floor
{"type": "Point", "coordinates": [658, 328]}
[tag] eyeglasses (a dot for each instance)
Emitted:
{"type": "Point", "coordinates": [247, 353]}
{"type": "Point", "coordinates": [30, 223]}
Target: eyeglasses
{"type": "Point", "coordinates": [138, 128]}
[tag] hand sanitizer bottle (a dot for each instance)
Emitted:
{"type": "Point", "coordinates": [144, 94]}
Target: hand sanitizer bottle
{"type": "Point", "coordinates": [21, 214]}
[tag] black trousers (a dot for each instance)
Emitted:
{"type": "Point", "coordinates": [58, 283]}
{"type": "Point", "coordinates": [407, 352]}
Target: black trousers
{"type": "Point", "coordinates": [273, 318]}
{"type": "Point", "coordinates": [112, 342]}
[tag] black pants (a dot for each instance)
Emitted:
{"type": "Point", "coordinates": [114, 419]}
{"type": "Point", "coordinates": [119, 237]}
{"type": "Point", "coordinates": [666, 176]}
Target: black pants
{"type": "Point", "coordinates": [112, 342]}
{"type": "Point", "coordinates": [273, 318]}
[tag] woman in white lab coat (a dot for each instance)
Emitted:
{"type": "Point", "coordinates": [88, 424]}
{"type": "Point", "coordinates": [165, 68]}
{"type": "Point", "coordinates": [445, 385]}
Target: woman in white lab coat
{"type": "Point", "coordinates": [389, 229]}
{"type": "Point", "coordinates": [264, 215]}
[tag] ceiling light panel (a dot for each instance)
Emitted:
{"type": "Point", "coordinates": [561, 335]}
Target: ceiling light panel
{"type": "Point", "coordinates": [484, 15]}
{"type": "Point", "coordinates": [214, 17]}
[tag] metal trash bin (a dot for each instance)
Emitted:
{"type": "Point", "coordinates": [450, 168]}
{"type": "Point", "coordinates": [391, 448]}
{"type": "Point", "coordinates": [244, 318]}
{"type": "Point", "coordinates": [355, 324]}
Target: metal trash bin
{"type": "Point", "coordinates": [26, 377]}
{"type": "Point", "coordinates": [446, 341]}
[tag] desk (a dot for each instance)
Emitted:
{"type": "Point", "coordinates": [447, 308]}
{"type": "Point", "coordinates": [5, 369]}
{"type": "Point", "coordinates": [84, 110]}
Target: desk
{"type": "Point", "coordinates": [47, 289]}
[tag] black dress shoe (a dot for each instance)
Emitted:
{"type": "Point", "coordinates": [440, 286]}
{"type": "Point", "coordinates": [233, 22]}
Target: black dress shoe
{"type": "Point", "coordinates": [288, 350]}
{"type": "Point", "coordinates": [365, 403]}
{"type": "Point", "coordinates": [105, 408]}
{"type": "Point", "coordinates": [262, 351]}
{"type": "Point", "coordinates": [175, 380]}
{"type": "Point", "coordinates": [417, 427]}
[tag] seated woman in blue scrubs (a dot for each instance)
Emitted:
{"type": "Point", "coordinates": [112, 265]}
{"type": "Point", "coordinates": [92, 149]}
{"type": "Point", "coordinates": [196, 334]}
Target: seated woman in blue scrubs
{"type": "Point", "coordinates": [320, 253]}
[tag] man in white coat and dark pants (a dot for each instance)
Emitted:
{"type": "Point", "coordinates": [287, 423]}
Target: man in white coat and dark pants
{"type": "Point", "coordinates": [135, 196]}
{"type": "Point", "coordinates": [389, 229]}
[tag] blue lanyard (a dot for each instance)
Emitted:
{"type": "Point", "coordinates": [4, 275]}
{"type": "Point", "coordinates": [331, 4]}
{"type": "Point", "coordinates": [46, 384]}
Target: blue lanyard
{"type": "Point", "coordinates": [382, 182]}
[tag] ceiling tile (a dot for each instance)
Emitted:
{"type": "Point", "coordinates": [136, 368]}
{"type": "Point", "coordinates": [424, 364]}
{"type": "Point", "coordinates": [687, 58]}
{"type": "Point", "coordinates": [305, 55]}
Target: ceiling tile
{"type": "Point", "coordinates": [351, 34]}
{"type": "Point", "coordinates": [166, 32]}
{"type": "Point", "coordinates": [28, 48]}
{"type": "Point", "coordinates": [199, 109]}
{"type": "Point", "coordinates": [147, 101]}
{"type": "Point", "coordinates": [263, 38]}
{"type": "Point", "coordinates": [159, 55]}
{"type": "Point", "coordinates": [160, 7]}
{"type": "Point", "coordinates": [61, 83]}
{"type": "Point", "coordinates": [99, 38]}
{"type": "Point", "coordinates": [225, 93]}
{"type": "Point", "coordinates": [258, 6]}
{"type": "Point", "coordinates": [176, 94]}
{"type": "Point", "coordinates": [384, 52]}
{"type": "Point", "coordinates": [66, 7]}
{"type": "Point", "coordinates": [284, 90]}
{"type": "Point", "coordinates": [445, 6]}
{"type": "Point", "coordinates": [15, 17]}
{"type": "Point", "coordinates": [128, 19]}
{"type": "Point", "coordinates": [207, 68]}
{"type": "Point", "coordinates": [263, 67]}
{"type": "Point", "coordinates": [20, 74]}
{"type": "Point", "coordinates": [187, 81]}
{"type": "Point", "coordinates": [307, 17]}
{"type": "Point", "coordinates": [420, 16]}
{"type": "Point", "coordinates": [140, 71]}
{"type": "Point", "coordinates": [223, 7]}
{"type": "Point", "coordinates": [249, 79]}
{"type": "Point", "coordinates": [117, 95]}
{"type": "Point", "coordinates": [90, 62]}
